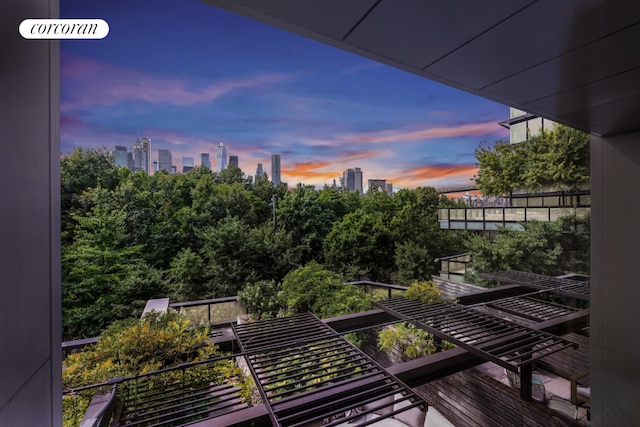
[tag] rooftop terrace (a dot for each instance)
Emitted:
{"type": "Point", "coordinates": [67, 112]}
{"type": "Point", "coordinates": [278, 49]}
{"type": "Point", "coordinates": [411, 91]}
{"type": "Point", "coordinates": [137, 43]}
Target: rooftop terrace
{"type": "Point", "coordinates": [307, 374]}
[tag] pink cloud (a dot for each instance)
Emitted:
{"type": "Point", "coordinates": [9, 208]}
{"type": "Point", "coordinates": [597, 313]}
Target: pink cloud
{"type": "Point", "coordinates": [475, 129]}
{"type": "Point", "coordinates": [101, 83]}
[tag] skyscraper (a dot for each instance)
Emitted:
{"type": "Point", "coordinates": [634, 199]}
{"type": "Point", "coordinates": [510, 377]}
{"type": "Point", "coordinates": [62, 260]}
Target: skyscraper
{"type": "Point", "coordinates": [205, 160]}
{"type": "Point", "coordinates": [187, 164]}
{"type": "Point", "coordinates": [164, 160]}
{"type": "Point", "coordinates": [259, 171]}
{"type": "Point", "coordinates": [358, 181]}
{"type": "Point", "coordinates": [221, 158]}
{"type": "Point", "coordinates": [275, 169]}
{"type": "Point", "coordinates": [122, 157]}
{"type": "Point", "coordinates": [137, 155]}
{"type": "Point", "coordinates": [142, 155]}
{"type": "Point", "coordinates": [352, 180]}
{"type": "Point", "coordinates": [146, 155]}
{"type": "Point", "coordinates": [233, 161]}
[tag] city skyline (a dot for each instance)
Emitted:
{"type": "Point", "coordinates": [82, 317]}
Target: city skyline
{"type": "Point", "coordinates": [218, 76]}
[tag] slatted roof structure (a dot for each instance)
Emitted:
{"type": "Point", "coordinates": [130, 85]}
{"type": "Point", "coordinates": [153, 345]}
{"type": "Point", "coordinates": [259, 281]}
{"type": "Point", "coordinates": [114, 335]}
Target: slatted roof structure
{"type": "Point", "coordinates": [505, 343]}
{"type": "Point", "coordinates": [531, 308]}
{"type": "Point", "coordinates": [567, 287]}
{"type": "Point", "coordinates": [153, 401]}
{"type": "Point", "coordinates": [307, 373]}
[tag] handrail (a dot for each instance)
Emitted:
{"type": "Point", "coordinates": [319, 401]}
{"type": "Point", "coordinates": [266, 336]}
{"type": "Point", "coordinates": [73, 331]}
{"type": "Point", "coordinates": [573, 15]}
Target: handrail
{"type": "Point", "coordinates": [204, 302]}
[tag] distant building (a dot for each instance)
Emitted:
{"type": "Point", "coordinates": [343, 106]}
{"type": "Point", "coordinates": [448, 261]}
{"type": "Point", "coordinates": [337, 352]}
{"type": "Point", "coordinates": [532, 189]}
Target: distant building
{"type": "Point", "coordinates": [523, 125]}
{"type": "Point", "coordinates": [155, 166]}
{"type": "Point", "coordinates": [352, 180]}
{"type": "Point", "coordinates": [389, 189]}
{"type": "Point", "coordinates": [137, 155]}
{"type": "Point", "coordinates": [233, 161]}
{"type": "Point", "coordinates": [378, 184]}
{"type": "Point", "coordinates": [221, 158]}
{"type": "Point", "coordinates": [164, 160]}
{"type": "Point", "coordinates": [146, 155]}
{"type": "Point", "coordinates": [205, 160]}
{"type": "Point", "coordinates": [275, 169]}
{"type": "Point", "coordinates": [259, 171]}
{"type": "Point", "coordinates": [187, 164]}
{"type": "Point", "coordinates": [122, 157]}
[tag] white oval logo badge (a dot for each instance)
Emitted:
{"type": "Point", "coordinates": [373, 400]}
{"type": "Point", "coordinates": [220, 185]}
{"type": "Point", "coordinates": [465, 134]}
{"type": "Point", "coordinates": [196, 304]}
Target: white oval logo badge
{"type": "Point", "coordinates": [64, 28]}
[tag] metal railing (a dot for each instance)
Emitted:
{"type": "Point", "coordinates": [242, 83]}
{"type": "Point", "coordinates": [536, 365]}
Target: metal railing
{"type": "Point", "coordinates": [488, 219]}
{"type": "Point", "coordinates": [211, 312]}
{"type": "Point", "coordinates": [454, 267]}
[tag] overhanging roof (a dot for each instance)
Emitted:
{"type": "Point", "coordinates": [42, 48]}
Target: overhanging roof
{"type": "Point", "coordinates": [573, 61]}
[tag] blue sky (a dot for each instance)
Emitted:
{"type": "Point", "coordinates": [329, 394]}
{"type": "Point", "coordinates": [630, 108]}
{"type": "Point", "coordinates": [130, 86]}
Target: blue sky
{"type": "Point", "coordinates": [187, 74]}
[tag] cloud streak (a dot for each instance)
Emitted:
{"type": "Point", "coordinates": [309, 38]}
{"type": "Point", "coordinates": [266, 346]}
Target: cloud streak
{"type": "Point", "coordinates": [452, 173]}
{"type": "Point", "coordinates": [90, 82]}
{"type": "Point", "coordinates": [474, 129]}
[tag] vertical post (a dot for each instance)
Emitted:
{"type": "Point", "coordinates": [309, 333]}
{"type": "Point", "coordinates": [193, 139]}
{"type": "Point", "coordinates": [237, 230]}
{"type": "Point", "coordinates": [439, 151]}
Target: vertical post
{"type": "Point", "coordinates": [526, 372]}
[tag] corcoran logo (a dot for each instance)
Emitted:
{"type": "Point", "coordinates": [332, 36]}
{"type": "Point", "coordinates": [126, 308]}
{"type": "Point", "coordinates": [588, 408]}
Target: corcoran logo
{"type": "Point", "coordinates": [64, 28]}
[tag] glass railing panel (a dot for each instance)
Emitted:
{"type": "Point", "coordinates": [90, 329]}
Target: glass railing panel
{"type": "Point", "coordinates": [227, 311]}
{"type": "Point", "coordinates": [538, 214]}
{"type": "Point", "coordinates": [514, 214]}
{"type": "Point", "coordinates": [583, 212]}
{"type": "Point", "coordinates": [475, 214]}
{"type": "Point", "coordinates": [558, 212]}
{"type": "Point", "coordinates": [457, 225]}
{"type": "Point", "coordinates": [443, 214]}
{"type": "Point", "coordinates": [477, 225]}
{"type": "Point", "coordinates": [493, 214]}
{"type": "Point", "coordinates": [457, 267]}
{"type": "Point", "coordinates": [198, 315]}
{"type": "Point", "coordinates": [444, 225]}
{"type": "Point", "coordinates": [456, 214]}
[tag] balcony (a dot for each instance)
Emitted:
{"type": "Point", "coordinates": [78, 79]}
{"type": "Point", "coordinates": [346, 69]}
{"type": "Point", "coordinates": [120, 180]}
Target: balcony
{"type": "Point", "coordinates": [494, 218]}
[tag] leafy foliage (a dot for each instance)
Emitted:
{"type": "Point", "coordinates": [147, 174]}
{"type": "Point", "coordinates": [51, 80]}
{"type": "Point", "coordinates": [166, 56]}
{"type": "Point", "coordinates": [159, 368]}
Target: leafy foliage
{"type": "Point", "coordinates": [134, 347]}
{"type": "Point", "coordinates": [128, 237]}
{"type": "Point", "coordinates": [549, 248]}
{"type": "Point", "coordinates": [262, 298]}
{"type": "Point", "coordinates": [410, 341]}
{"type": "Point", "coordinates": [559, 157]}
{"type": "Point", "coordinates": [426, 292]}
{"type": "Point", "coordinates": [323, 292]}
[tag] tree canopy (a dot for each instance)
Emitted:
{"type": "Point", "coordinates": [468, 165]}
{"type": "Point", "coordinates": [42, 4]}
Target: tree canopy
{"type": "Point", "coordinates": [559, 158]}
{"type": "Point", "coordinates": [129, 237]}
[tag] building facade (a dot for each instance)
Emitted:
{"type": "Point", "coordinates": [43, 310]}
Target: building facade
{"type": "Point", "coordinates": [187, 164]}
{"type": "Point", "coordinates": [221, 158]}
{"type": "Point", "coordinates": [233, 161]}
{"type": "Point", "coordinates": [205, 160]}
{"type": "Point", "coordinates": [275, 169]}
{"type": "Point", "coordinates": [352, 180]}
{"type": "Point", "coordinates": [122, 157]}
{"type": "Point", "coordinates": [259, 171]}
{"type": "Point", "coordinates": [165, 160]}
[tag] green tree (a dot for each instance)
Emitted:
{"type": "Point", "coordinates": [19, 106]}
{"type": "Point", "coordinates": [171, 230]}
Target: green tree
{"type": "Point", "coordinates": [79, 172]}
{"type": "Point", "coordinates": [559, 158]}
{"type": "Point", "coordinates": [419, 239]}
{"type": "Point", "coordinates": [500, 168]}
{"type": "Point", "coordinates": [262, 298]}
{"type": "Point", "coordinates": [543, 248]}
{"type": "Point", "coordinates": [323, 292]}
{"type": "Point", "coordinates": [185, 278]}
{"type": "Point", "coordinates": [307, 218]}
{"type": "Point", "coordinates": [362, 242]}
{"type": "Point", "coordinates": [102, 275]}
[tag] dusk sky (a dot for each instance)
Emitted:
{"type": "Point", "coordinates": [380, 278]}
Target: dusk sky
{"type": "Point", "coordinates": [187, 74]}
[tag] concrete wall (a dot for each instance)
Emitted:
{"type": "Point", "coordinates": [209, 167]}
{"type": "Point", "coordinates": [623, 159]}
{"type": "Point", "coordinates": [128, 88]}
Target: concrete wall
{"type": "Point", "coordinates": [30, 313]}
{"type": "Point", "coordinates": [615, 285]}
